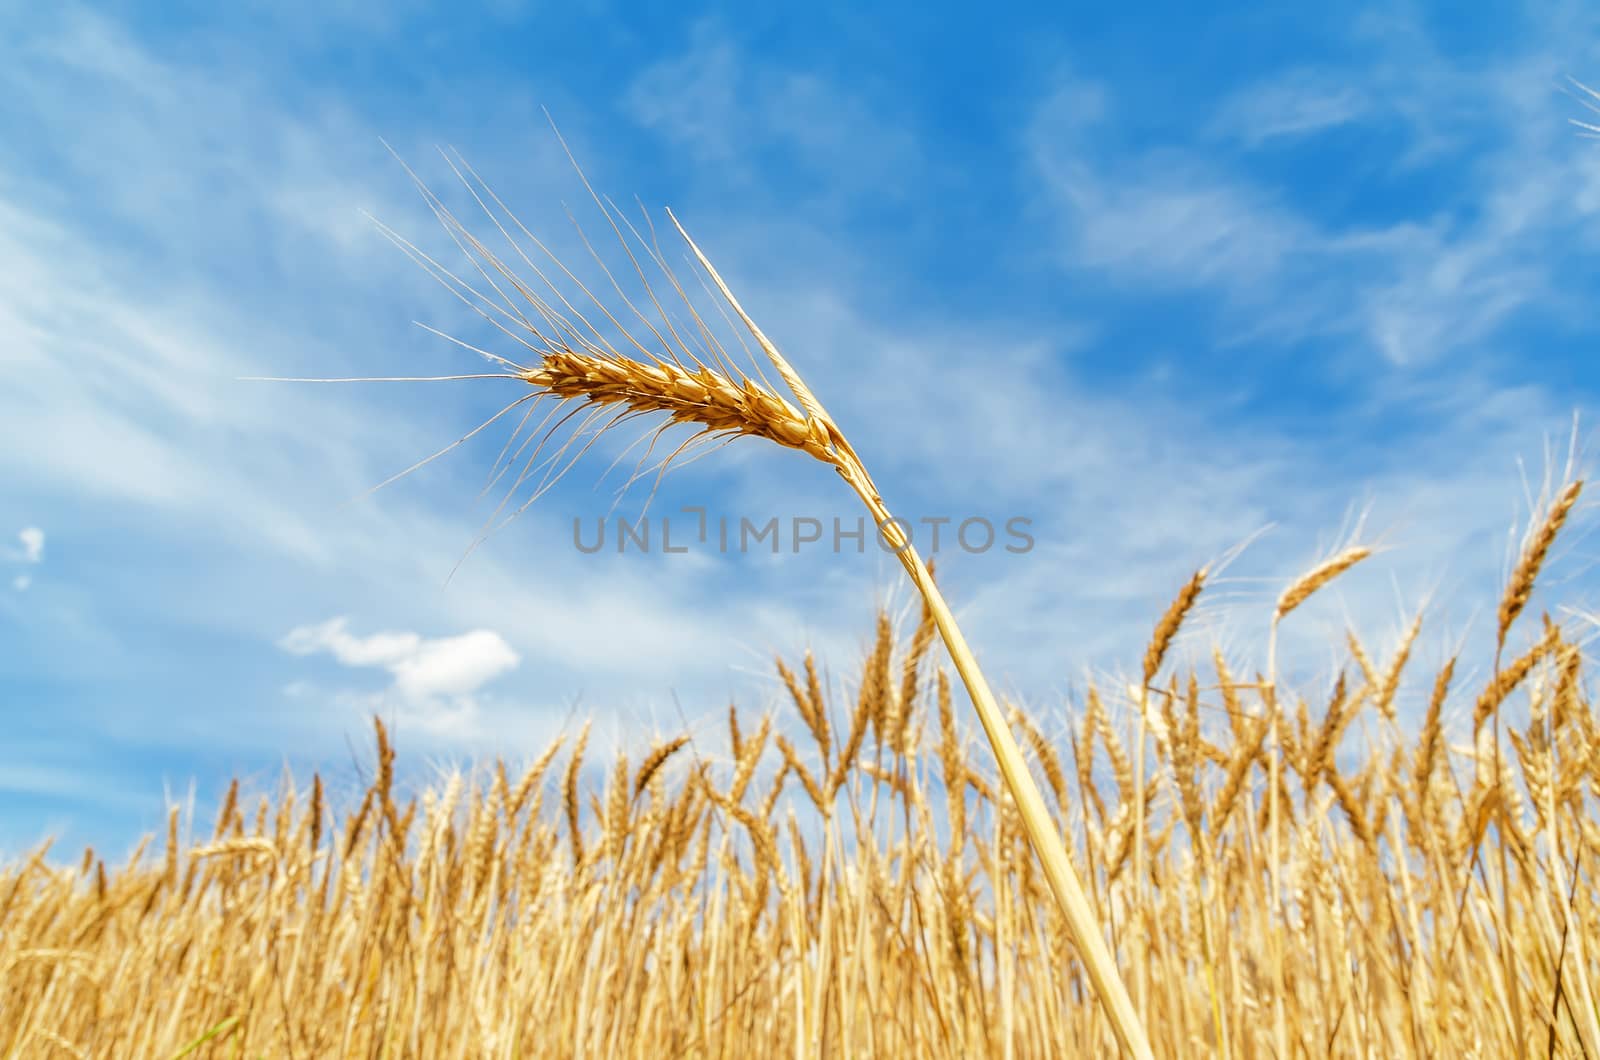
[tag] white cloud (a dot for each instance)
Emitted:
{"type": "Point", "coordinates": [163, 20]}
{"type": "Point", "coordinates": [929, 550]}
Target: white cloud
{"type": "Point", "coordinates": [437, 679]}
{"type": "Point", "coordinates": [21, 582]}
{"type": "Point", "coordinates": [32, 539]}
{"type": "Point", "coordinates": [454, 666]}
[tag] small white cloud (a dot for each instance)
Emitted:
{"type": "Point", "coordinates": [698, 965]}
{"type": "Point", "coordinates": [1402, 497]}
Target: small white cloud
{"type": "Point", "coordinates": [436, 679]}
{"type": "Point", "coordinates": [21, 582]}
{"type": "Point", "coordinates": [454, 666]}
{"type": "Point", "coordinates": [32, 539]}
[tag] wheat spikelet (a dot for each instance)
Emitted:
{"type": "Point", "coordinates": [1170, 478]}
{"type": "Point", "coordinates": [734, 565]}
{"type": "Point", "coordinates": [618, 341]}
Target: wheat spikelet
{"type": "Point", "coordinates": [1520, 587]}
{"type": "Point", "coordinates": [530, 780]}
{"type": "Point", "coordinates": [482, 842]}
{"type": "Point", "coordinates": [618, 816]}
{"type": "Point", "coordinates": [819, 705]}
{"type": "Point", "coordinates": [1083, 760]}
{"type": "Point", "coordinates": [921, 641]}
{"type": "Point", "coordinates": [952, 763]}
{"type": "Point", "coordinates": [769, 801]}
{"type": "Point", "coordinates": [1383, 695]}
{"type": "Point", "coordinates": [1503, 682]}
{"type": "Point", "coordinates": [230, 802]}
{"type": "Point", "coordinates": [1318, 576]}
{"type": "Point", "coordinates": [1319, 752]}
{"type": "Point", "coordinates": [1358, 652]}
{"type": "Point", "coordinates": [811, 711]}
{"type": "Point", "coordinates": [860, 722]}
{"type": "Point", "coordinates": [877, 690]}
{"type": "Point", "coordinates": [1045, 753]}
{"type": "Point", "coordinates": [807, 781]}
{"type": "Point", "coordinates": [1351, 806]}
{"type": "Point", "coordinates": [314, 812]}
{"type": "Point", "coordinates": [1245, 752]}
{"type": "Point", "coordinates": [749, 758]}
{"type": "Point", "coordinates": [1121, 766]}
{"type": "Point", "coordinates": [355, 825]}
{"type": "Point", "coordinates": [1167, 629]}
{"type": "Point", "coordinates": [1428, 742]}
{"type": "Point", "coordinates": [654, 761]}
{"type": "Point", "coordinates": [569, 789]}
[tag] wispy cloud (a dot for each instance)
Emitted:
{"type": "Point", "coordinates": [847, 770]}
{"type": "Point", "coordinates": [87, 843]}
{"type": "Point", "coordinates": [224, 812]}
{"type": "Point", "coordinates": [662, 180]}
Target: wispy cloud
{"type": "Point", "coordinates": [1434, 282]}
{"type": "Point", "coordinates": [1299, 103]}
{"type": "Point", "coordinates": [740, 111]}
{"type": "Point", "coordinates": [1166, 218]}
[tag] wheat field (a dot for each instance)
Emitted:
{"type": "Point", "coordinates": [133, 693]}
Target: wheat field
{"type": "Point", "coordinates": [845, 877]}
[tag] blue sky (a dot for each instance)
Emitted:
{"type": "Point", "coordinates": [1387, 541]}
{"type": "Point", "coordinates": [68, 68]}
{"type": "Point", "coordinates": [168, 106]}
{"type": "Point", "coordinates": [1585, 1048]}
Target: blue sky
{"type": "Point", "coordinates": [1163, 283]}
